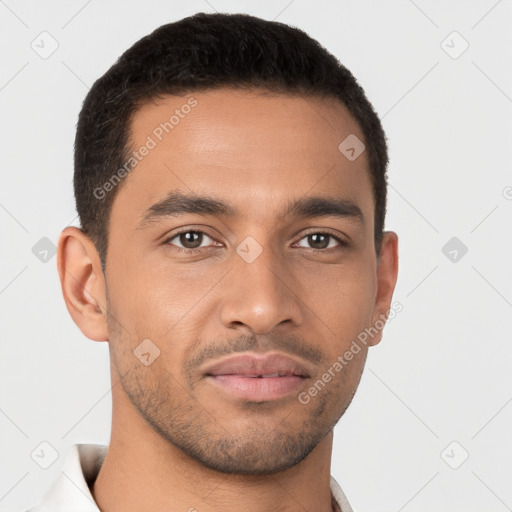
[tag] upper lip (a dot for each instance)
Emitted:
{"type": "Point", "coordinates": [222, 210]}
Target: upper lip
{"type": "Point", "coordinates": [258, 365]}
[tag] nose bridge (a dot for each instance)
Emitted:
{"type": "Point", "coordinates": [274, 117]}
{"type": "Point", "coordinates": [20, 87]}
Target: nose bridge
{"type": "Point", "coordinates": [259, 295]}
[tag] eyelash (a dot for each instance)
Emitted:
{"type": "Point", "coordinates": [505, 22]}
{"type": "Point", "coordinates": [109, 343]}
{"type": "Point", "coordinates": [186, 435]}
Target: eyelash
{"type": "Point", "coordinates": [342, 243]}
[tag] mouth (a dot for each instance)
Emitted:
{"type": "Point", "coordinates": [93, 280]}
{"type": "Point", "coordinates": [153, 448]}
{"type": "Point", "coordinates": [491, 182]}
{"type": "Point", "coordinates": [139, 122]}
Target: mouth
{"type": "Point", "coordinates": [258, 377]}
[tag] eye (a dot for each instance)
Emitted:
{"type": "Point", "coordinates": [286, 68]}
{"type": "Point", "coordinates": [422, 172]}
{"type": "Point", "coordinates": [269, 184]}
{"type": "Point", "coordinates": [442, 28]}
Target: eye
{"type": "Point", "coordinates": [193, 240]}
{"type": "Point", "coordinates": [322, 241]}
{"type": "Point", "coordinates": [190, 239]}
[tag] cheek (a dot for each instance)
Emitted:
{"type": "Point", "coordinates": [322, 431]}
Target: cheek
{"type": "Point", "coordinates": [148, 295]}
{"type": "Point", "coordinates": [174, 296]}
{"type": "Point", "coordinates": [346, 308]}
{"type": "Point", "coordinates": [166, 305]}
{"type": "Point", "coordinates": [342, 297]}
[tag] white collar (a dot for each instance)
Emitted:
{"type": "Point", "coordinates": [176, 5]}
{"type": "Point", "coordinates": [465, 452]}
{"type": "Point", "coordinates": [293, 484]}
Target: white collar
{"type": "Point", "coordinates": [70, 490]}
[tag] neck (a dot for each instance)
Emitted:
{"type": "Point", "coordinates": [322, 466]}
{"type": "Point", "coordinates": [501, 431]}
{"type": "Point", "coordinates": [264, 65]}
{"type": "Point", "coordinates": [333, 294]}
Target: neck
{"type": "Point", "coordinates": [143, 471]}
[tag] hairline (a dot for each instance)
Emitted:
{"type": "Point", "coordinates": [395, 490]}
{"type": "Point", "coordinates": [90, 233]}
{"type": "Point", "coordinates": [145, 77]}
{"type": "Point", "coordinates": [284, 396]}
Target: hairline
{"type": "Point", "coordinates": [269, 90]}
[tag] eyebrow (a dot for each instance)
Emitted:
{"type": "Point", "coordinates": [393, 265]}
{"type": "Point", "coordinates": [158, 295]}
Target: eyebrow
{"type": "Point", "coordinates": [177, 203]}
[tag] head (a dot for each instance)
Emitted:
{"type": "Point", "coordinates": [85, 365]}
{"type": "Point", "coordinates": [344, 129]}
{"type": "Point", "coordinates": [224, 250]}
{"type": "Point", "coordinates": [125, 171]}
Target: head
{"type": "Point", "coordinates": [230, 179]}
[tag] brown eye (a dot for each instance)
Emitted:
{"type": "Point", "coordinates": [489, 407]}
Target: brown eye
{"type": "Point", "coordinates": [189, 239]}
{"type": "Point", "coordinates": [321, 241]}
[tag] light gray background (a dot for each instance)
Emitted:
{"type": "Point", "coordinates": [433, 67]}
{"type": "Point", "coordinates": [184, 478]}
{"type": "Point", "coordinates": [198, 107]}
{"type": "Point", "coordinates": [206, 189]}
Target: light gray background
{"type": "Point", "coordinates": [441, 373]}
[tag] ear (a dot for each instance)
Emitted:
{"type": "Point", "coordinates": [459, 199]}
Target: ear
{"type": "Point", "coordinates": [387, 272]}
{"type": "Point", "coordinates": [82, 282]}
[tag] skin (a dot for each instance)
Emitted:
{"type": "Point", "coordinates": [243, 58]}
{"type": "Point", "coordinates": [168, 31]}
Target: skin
{"type": "Point", "coordinates": [178, 442]}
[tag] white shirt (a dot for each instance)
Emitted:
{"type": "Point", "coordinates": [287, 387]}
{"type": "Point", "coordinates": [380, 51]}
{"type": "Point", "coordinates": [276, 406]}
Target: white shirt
{"type": "Point", "coordinates": [70, 492]}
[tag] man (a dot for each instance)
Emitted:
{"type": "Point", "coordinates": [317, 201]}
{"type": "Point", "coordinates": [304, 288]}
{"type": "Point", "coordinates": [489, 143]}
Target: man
{"type": "Point", "coordinates": [230, 178]}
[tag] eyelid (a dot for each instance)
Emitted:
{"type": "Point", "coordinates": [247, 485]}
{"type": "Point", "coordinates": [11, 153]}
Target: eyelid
{"type": "Point", "coordinates": [325, 231]}
{"type": "Point", "coordinates": [187, 229]}
{"type": "Point", "coordinates": [314, 230]}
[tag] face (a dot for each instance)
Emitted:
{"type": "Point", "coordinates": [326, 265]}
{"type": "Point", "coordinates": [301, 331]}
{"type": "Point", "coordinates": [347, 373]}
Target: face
{"type": "Point", "coordinates": [241, 248]}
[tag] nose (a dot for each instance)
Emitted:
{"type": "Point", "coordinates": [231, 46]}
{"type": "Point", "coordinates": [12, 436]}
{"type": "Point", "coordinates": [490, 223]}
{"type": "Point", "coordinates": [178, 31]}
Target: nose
{"type": "Point", "coordinates": [261, 295]}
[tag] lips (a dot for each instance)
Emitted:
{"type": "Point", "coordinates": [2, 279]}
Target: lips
{"type": "Point", "coordinates": [258, 377]}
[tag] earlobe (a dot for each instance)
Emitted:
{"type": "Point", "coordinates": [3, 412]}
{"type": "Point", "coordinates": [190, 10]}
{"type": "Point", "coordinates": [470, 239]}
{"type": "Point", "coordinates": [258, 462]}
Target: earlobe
{"type": "Point", "coordinates": [387, 273]}
{"type": "Point", "coordinates": [82, 283]}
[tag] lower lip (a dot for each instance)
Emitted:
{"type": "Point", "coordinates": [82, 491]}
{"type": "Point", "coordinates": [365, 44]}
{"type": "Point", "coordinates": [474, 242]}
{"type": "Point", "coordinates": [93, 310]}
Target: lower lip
{"type": "Point", "coordinates": [258, 389]}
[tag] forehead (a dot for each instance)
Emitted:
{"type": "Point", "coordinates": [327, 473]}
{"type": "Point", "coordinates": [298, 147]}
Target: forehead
{"type": "Point", "coordinates": [253, 149]}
